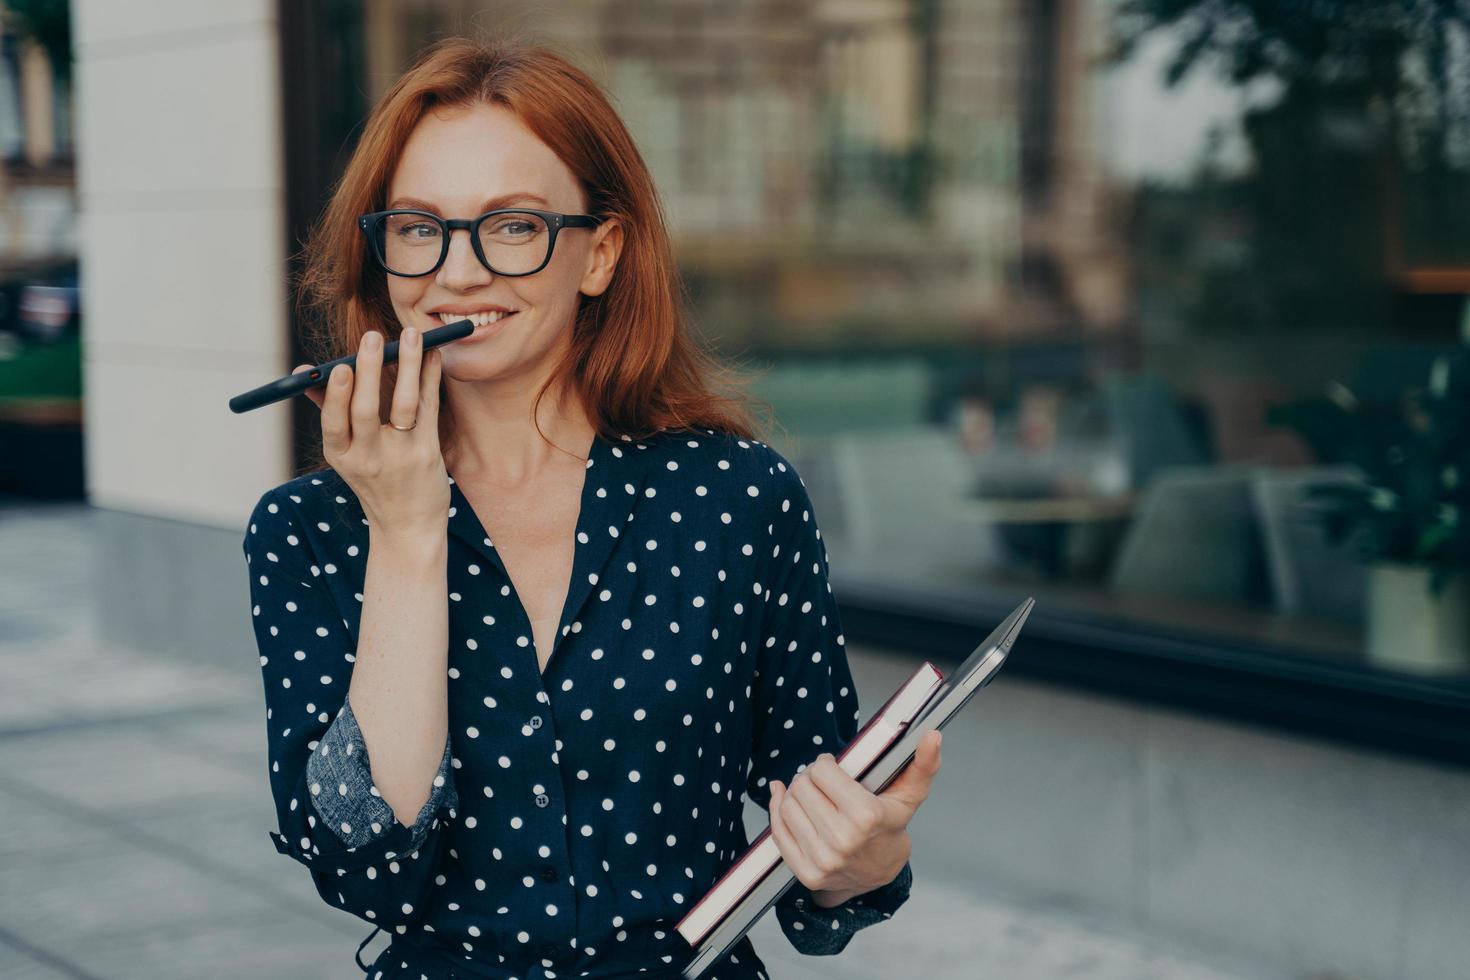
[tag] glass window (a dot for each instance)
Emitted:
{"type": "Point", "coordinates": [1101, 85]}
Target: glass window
{"type": "Point", "coordinates": [1155, 311]}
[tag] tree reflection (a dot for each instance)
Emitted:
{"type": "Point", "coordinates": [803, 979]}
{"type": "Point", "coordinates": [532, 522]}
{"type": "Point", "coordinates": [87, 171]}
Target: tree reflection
{"type": "Point", "coordinates": [1360, 169]}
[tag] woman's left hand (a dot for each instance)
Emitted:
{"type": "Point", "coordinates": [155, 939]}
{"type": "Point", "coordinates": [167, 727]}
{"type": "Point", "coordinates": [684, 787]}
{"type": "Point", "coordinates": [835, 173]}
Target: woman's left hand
{"type": "Point", "coordinates": [838, 837]}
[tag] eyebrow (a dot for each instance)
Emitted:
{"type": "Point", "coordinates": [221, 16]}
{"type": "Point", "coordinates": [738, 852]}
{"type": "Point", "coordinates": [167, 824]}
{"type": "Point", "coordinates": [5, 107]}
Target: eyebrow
{"type": "Point", "coordinates": [488, 205]}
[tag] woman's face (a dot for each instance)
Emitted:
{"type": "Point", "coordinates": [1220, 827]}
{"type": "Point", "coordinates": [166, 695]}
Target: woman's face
{"type": "Point", "coordinates": [459, 163]}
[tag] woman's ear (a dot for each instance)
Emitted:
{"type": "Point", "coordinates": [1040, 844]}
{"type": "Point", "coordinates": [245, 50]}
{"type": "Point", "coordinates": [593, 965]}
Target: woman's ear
{"type": "Point", "coordinates": [606, 248]}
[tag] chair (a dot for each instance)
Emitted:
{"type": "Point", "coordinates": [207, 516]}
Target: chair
{"type": "Point", "coordinates": [1195, 537]}
{"type": "Point", "coordinates": [1309, 576]}
{"type": "Point", "coordinates": [898, 490]}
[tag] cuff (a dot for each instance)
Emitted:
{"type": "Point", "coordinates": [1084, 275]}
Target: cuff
{"type": "Point", "coordinates": [818, 931]}
{"type": "Point", "coordinates": [352, 818]}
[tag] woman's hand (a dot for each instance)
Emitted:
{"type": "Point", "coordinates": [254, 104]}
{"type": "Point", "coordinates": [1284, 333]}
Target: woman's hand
{"type": "Point", "coordinates": [838, 837]}
{"type": "Point", "coordinates": [398, 476]}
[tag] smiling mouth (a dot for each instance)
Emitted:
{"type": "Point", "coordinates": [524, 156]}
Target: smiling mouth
{"type": "Point", "coordinates": [479, 319]}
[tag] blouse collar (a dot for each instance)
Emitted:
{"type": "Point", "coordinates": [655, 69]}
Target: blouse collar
{"type": "Point", "coordinates": [616, 474]}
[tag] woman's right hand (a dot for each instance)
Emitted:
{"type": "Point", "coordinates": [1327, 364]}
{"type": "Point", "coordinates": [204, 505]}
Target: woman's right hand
{"type": "Point", "coordinates": [399, 476]}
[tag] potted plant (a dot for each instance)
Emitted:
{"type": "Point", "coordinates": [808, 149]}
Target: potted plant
{"type": "Point", "coordinates": [1406, 518]}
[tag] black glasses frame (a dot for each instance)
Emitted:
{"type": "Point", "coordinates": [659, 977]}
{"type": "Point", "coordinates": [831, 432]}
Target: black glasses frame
{"type": "Point", "coordinates": [555, 222]}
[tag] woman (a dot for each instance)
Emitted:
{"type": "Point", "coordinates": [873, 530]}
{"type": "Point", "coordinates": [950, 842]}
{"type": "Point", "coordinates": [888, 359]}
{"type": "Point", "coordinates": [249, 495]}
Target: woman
{"type": "Point", "coordinates": [525, 656]}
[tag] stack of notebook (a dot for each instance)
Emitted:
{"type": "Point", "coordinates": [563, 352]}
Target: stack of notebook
{"type": "Point", "coordinates": [874, 758]}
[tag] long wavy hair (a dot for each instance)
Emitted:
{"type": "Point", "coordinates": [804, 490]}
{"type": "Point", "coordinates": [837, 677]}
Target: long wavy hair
{"type": "Point", "coordinates": [633, 358]}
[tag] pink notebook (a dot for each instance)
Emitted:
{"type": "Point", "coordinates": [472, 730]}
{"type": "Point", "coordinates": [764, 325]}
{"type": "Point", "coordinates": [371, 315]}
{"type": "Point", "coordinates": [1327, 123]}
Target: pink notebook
{"type": "Point", "coordinates": [875, 757]}
{"type": "Point", "coordinates": [760, 859]}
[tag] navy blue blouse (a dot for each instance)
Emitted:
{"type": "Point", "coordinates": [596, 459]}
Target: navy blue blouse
{"type": "Point", "coordinates": [578, 813]}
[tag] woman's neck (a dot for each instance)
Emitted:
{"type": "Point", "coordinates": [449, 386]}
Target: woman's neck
{"type": "Point", "coordinates": [510, 452]}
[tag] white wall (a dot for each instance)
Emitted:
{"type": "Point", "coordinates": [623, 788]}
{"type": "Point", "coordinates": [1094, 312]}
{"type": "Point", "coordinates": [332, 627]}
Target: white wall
{"type": "Point", "coordinates": [182, 251]}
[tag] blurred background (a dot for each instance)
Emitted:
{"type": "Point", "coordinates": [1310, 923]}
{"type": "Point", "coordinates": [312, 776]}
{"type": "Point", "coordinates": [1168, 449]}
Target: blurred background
{"type": "Point", "coordinates": [1156, 310]}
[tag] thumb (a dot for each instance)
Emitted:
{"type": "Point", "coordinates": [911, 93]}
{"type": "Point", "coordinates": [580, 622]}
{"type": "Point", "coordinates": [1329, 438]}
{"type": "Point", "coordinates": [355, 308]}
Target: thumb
{"type": "Point", "coordinates": [911, 786]}
{"type": "Point", "coordinates": [316, 395]}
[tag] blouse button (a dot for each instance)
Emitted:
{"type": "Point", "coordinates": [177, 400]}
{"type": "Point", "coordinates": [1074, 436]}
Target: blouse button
{"type": "Point", "coordinates": [549, 874]}
{"type": "Point", "coordinates": [535, 721]}
{"type": "Point", "coordinates": [549, 950]}
{"type": "Point", "coordinates": [542, 799]}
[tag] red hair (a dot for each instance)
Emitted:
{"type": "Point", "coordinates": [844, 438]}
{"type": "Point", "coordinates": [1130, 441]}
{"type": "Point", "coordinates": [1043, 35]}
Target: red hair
{"type": "Point", "coordinates": [632, 357]}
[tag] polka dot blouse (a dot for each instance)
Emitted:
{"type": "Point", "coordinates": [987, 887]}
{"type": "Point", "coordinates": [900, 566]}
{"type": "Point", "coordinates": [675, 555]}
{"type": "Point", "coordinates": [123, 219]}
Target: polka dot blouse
{"type": "Point", "coordinates": [579, 813]}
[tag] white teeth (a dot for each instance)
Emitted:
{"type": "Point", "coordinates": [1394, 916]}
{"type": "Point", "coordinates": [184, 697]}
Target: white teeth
{"type": "Point", "coordinates": [480, 319]}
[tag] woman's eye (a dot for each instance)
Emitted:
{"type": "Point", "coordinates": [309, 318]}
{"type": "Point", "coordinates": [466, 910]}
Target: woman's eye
{"type": "Point", "coordinates": [514, 228]}
{"type": "Point", "coordinates": [419, 230]}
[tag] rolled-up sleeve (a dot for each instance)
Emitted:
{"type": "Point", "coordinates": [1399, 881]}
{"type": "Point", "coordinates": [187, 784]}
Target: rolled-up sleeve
{"type": "Point", "coordinates": [806, 702]}
{"type": "Point", "coordinates": [331, 817]}
{"type": "Point", "coordinates": [339, 776]}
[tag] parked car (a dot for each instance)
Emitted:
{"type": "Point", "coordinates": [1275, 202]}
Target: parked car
{"type": "Point", "coordinates": [48, 305]}
{"type": "Point", "coordinates": [41, 383]}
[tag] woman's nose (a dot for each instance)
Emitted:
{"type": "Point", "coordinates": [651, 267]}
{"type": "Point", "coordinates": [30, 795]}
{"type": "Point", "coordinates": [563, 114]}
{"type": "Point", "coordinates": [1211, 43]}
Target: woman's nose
{"type": "Point", "coordinates": [461, 266]}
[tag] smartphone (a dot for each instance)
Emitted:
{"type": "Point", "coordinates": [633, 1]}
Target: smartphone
{"type": "Point", "coordinates": [293, 384]}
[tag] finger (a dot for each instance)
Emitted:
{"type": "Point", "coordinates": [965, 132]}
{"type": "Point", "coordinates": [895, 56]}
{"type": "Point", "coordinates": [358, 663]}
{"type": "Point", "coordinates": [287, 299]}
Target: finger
{"type": "Point", "coordinates": [405, 407]}
{"type": "Point", "coordinates": [429, 375]}
{"type": "Point", "coordinates": [315, 394]}
{"type": "Point", "coordinates": [787, 844]}
{"type": "Point", "coordinates": [336, 423]}
{"type": "Point", "coordinates": [367, 419]}
{"type": "Point", "coordinates": [817, 824]}
{"type": "Point", "coordinates": [851, 798]}
{"type": "Point", "coordinates": [912, 785]}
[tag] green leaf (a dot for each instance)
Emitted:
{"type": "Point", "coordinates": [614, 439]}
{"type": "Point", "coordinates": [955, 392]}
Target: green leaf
{"type": "Point", "coordinates": [1431, 539]}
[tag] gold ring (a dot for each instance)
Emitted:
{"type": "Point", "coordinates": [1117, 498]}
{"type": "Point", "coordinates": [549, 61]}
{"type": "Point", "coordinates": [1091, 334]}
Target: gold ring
{"type": "Point", "coordinates": [403, 428]}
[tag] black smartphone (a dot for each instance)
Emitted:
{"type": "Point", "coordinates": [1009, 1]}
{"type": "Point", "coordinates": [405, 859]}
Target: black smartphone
{"type": "Point", "coordinates": [293, 384]}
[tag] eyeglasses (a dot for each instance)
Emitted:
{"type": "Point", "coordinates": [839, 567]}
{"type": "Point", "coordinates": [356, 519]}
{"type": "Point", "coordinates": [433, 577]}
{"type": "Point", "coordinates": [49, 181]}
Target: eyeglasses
{"type": "Point", "coordinates": [508, 242]}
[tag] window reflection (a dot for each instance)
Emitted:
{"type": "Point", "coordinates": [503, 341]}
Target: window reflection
{"type": "Point", "coordinates": [1050, 290]}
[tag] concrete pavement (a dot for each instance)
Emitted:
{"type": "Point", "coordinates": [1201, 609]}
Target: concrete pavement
{"type": "Point", "coordinates": [114, 864]}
